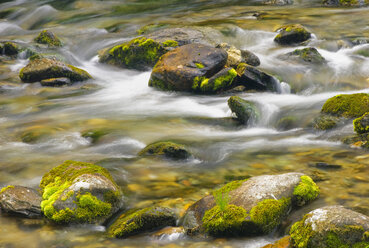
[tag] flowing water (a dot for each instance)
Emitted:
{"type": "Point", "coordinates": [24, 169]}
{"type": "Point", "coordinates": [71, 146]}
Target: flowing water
{"type": "Point", "coordinates": [120, 103]}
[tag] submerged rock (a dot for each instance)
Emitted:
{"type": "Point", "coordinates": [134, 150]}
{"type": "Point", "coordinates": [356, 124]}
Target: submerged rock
{"type": "Point", "coordinates": [309, 55]}
{"type": "Point", "coordinates": [348, 105]}
{"type": "Point", "coordinates": [332, 226]}
{"type": "Point", "coordinates": [141, 221]}
{"type": "Point", "coordinates": [255, 79]}
{"type": "Point", "coordinates": [48, 38]}
{"type": "Point", "coordinates": [166, 149]}
{"type": "Point", "coordinates": [21, 201]}
{"type": "Point", "coordinates": [41, 69]}
{"type": "Point", "coordinates": [292, 34]}
{"type": "Point", "coordinates": [346, 3]}
{"type": "Point", "coordinates": [325, 122]}
{"type": "Point", "coordinates": [236, 56]}
{"type": "Point", "coordinates": [77, 192]}
{"type": "Point", "coordinates": [278, 2]}
{"type": "Point", "coordinates": [56, 82]}
{"type": "Point", "coordinates": [250, 207]}
{"type": "Point", "coordinates": [245, 111]}
{"type": "Point", "coordinates": [189, 68]}
{"type": "Point", "coordinates": [361, 124]}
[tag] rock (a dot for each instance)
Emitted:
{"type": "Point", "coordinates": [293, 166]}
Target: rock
{"type": "Point", "coordinates": [21, 201]}
{"type": "Point", "coordinates": [40, 69]}
{"type": "Point", "coordinates": [250, 207]}
{"type": "Point", "coordinates": [361, 124]}
{"type": "Point", "coordinates": [287, 122]}
{"type": "Point", "coordinates": [345, 3]}
{"type": "Point", "coordinates": [77, 192]}
{"type": "Point", "coordinates": [10, 49]}
{"type": "Point", "coordinates": [348, 106]}
{"type": "Point", "coordinates": [254, 79]}
{"type": "Point", "coordinates": [309, 55]}
{"type": "Point", "coordinates": [56, 82]}
{"type": "Point", "coordinates": [246, 111]}
{"type": "Point", "coordinates": [282, 243]}
{"type": "Point", "coordinates": [49, 38]}
{"type": "Point", "coordinates": [236, 56]}
{"type": "Point", "coordinates": [182, 36]}
{"type": "Point", "coordinates": [140, 53]}
{"type": "Point", "coordinates": [292, 34]}
{"type": "Point", "coordinates": [189, 68]}
{"type": "Point", "coordinates": [94, 135]}
{"type": "Point", "coordinates": [325, 122]}
{"type": "Point", "coordinates": [221, 81]}
{"type": "Point", "coordinates": [325, 166]}
{"type": "Point", "coordinates": [278, 2]}
{"type": "Point", "coordinates": [141, 221]}
{"type": "Point", "coordinates": [332, 226]}
{"type": "Point", "coordinates": [166, 149]}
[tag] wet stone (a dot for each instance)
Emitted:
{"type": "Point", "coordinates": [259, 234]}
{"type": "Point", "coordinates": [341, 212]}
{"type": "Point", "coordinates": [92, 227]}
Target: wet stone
{"type": "Point", "coordinates": [56, 82]}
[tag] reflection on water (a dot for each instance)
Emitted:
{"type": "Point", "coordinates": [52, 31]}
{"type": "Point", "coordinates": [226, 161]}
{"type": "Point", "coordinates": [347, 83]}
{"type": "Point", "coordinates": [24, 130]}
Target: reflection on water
{"type": "Point", "coordinates": [131, 114]}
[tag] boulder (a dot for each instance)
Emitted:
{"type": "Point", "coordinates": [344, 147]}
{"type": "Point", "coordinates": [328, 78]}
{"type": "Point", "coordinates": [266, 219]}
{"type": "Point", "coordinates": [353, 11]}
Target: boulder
{"type": "Point", "coordinates": [325, 122]}
{"type": "Point", "coordinates": [246, 111]}
{"type": "Point", "coordinates": [182, 36]}
{"type": "Point", "coordinates": [10, 49]}
{"type": "Point", "coordinates": [292, 34]}
{"type": "Point", "coordinates": [166, 149]}
{"type": "Point", "coordinates": [48, 38]}
{"type": "Point", "coordinates": [256, 80]}
{"type": "Point", "coordinates": [189, 68]}
{"type": "Point", "coordinates": [361, 124]}
{"type": "Point", "coordinates": [140, 221]}
{"type": "Point", "coordinates": [250, 207]}
{"type": "Point", "coordinates": [332, 226]}
{"type": "Point", "coordinates": [41, 69]}
{"type": "Point", "coordinates": [78, 192]}
{"type": "Point", "coordinates": [236, 56]}
{"type": "Point", "coordinates": [308, 55]}
{"type": "Point", "coordinates": [21, 201]}
{"type": "Point", "coordinates": [347, 105]}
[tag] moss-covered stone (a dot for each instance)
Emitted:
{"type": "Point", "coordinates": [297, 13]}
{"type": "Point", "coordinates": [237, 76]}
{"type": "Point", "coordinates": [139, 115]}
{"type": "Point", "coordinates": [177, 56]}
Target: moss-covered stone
{"type": "Point", "coordinates": [361, 124]}
{"type": "Point", "coordinates": [10, 49]}
{"type": "Point", "coordinates": [94, 135]}
{"type": "Point", "coordinates": [245, 111]}
{"type": "Point", "coordinates": [49, 38]}
{"type": "Point", "coordinates": [168, 149]}
{"type": "Point", "coordinates": [287, 122]}
{"type": "Point", "coordinates": [292, 34]}
{"type": "Point", "coordinates": [76, 192]}
{"type": "Point", "coordinates": [325, 122]}
{"type": "Point", "coordinates": [221, 81]}
{"type": "Point", "coordinates": [345, 3]}
{"type": "Point", "coordinates": [140, 53]}
{"type": "Point", "coordinates": [41, 69]}
{"type": "Point", "coordinates": [309, 55]}
{"type": "Point", "coordinates": [6, 188]}
{"type": "Point", "coordinates": [306, 191]}
{"type": "Point", "coordinates": [140, 221]}
{"type": "Point", "coordinates": [349, 106]}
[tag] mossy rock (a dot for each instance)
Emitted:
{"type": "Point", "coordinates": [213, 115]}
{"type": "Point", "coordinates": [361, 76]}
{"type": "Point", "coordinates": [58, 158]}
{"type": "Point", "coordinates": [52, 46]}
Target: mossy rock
{"type": "Point", "coordinates": [346, 3]}
{"type": "Point", "coordinates": [95, 134]}
{"type": "Point", "coordinates": [325, 122]}
{"type": "Point", "coordinates": [361, 124]}
{"type": "Point", "coordinates": [329, 227]}
{"type": "Point", "coordinates": [287, 123]}
{"type": "Point", "coordinates": [78, 192]}
{"type": "Point", "coordinates": [292, 34]}
{"type": "Point", "coordinates": [190, 68]}
{"type": "Point", "coordinates": [140, 53]}
{"type": "Point", "coordinates": [237, 56]}
{"type": "Point", "coordinates": [41, 69]}
{"type": "Point", "coordinates": [140, 221]}
{"type": "Point", "coordinates": [20, 200]}
{"type": "Point", "coordinates": [308, 55]}
{"type": "Point", "coordinates": [10, 49]}
{"type": "Point", "coordinates": [56, 82]}
{"type": "Point", "coordinates": [250, 207]}
{"type": "Point", "coordinates": [48, 38]}
{"type": "Point", "coordinates": [167, 149]}
{"type": "Point", "coordinates": [348, 106]}
{"type": "Point", "coordinates": [246, 111]}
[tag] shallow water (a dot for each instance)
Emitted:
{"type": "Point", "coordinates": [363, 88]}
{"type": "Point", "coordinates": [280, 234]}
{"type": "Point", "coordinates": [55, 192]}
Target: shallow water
{"type": "Point", "coordinates": [119, 102]}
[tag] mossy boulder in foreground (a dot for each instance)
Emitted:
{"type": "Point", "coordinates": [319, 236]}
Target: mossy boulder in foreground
{"type": "Point", "coordinates": [41, 69]}
{"type": "Point", "coordinates": [140, 221]}
{"type": "Point", "coordinates": [48, 38]}
{"type": "Point", "coordinates": [292, 34]}
{"type": "Point", "coordinates": [78, 192]}
{"type": "Point", "coordinates": [361, 124]}
{"type": "Point", "coordinates": [250, 207]}
{"type": "Point", "coordinates": [20, 201]}
{"type": "Point", "coordinates": [167, 149]}
{"type": "Point", "coordinates": [348, 106]}
{"type": "Point", "coordinates": [330, 227]}
{"type": "Point", "coordinates": [246, 111]}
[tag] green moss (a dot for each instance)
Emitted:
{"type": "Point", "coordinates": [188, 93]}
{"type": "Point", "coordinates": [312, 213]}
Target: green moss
{"type": "Point", "coordinates": [199, 65]}
{"type": "Point", "coordinates": [222, 82]}
{"type": "Point", "coordinates": [170, 43]}
{"type": "Point", "coordinates": [48, 38]}
{"type": "Point", "coordinates": [269, 213]}
{"type": "Point", "coordinates": [166, 148]}
{"type": "Point", "coordinates": [11, 49]}
{"type": "Point", "coordinates": [325, 122]}
{"type": "Point", "coordinates": [245, 111]}
{"type": "Point", "coordinates": [349, 106]}
{"type": "Point", "coordinates": [6, 188]}
{"type": "Point", "coordinates": [227, 222]}
{"type": "Point", "coordinates": [309, 54]}
{"type": "Point", "coordinates": [229, 187]}
{"type": "Point", "coordinates": [348, 2]}
{"type": "Point", "coordinates": [79, 74]}
{"type": "Point", "coordinates": [241, 68]}
{"type": "Point", "coordinates": [301, 233]}
{"type": "Point", "coordinates": [361, 124]}
{"type": "Point", "coordinates": [306, 191]}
